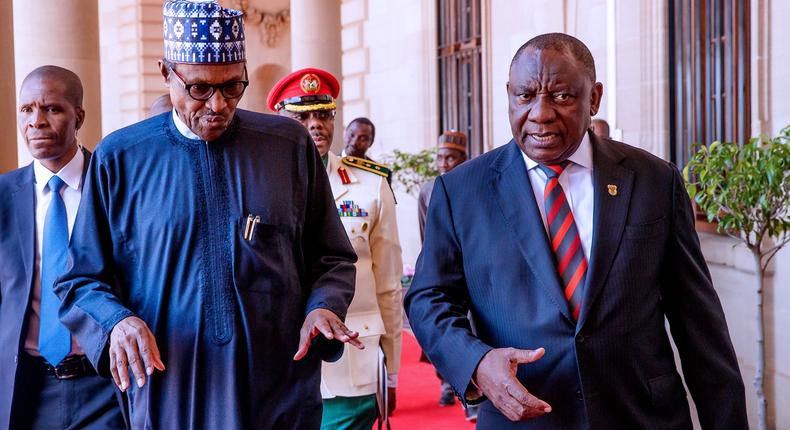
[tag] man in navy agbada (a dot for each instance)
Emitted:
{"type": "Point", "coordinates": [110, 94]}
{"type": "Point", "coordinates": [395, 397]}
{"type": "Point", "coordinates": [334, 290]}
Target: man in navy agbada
{"type": "Point", "coordinates": [570, 252]}
{"type": "Point", "coordinates": [209, 253]}
{"type": "Point", "coordinates": [46, 381]}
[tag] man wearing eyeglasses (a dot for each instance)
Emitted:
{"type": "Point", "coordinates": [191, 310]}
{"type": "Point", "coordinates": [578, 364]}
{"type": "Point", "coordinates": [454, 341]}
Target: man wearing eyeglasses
{"type": "Point", "coordinates": [367, 209]}
{"type": "Point", "coordinates": [209, 255]}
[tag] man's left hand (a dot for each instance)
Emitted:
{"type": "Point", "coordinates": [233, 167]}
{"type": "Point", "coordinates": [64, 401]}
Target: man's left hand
{"type": "Point", "coordinates": [327, 323]}
{"type": "Point", "coordinates": [390, 400]}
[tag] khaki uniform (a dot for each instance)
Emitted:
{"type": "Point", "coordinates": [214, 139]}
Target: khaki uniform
{"type": "Point", "coordinates": [377, 311]}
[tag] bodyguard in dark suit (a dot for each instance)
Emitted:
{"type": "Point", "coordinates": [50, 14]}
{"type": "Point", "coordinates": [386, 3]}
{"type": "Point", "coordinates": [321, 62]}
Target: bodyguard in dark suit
{"type": "Point", "coordinates": [570, 251]}
{"type": "Point", "coordinates": [45, 379]}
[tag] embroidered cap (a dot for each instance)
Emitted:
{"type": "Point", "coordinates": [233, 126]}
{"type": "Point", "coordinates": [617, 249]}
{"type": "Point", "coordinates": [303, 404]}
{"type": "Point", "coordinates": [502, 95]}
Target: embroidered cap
{"type": "Point", "coordinates": [453, 139]}
{"type": "Point", "coordinates": [202, 32]}
{"type": "Point", "coordinates": [304, 90]}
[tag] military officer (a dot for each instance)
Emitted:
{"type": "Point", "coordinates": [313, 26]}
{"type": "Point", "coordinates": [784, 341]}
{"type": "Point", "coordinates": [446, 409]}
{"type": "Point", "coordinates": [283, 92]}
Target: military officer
{"type": "Point", "coordinates": [366, 207]}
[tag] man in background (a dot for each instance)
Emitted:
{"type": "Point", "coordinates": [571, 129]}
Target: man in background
{"type": "Point", "coordinates": [451, 152]}
{"type": "Point", "coordinates": [46, 381]}
{"type": "Point", "coordinates": [358, 138]}
{"type": "Point", "coordinates": [600, 127]}
{"type": "Point", "coordinates": [160, 105]}
{"type": "Point", "coordinates": [367, 209]}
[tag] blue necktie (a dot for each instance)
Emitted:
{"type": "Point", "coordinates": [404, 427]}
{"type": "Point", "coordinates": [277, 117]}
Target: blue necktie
{"type": "Point", "coordinates": [54, 340]}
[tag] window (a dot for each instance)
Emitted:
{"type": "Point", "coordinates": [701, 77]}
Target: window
{"type": "Point", "coordinates": [460, 70]}
{"type": "Point", "coordinates": [709, 73]}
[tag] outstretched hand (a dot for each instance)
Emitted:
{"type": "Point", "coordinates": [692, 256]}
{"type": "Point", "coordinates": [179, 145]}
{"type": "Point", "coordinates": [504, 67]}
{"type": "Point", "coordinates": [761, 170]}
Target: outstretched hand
{"type": "Point", "coordinates": [327, 323]}
{"type": "Point", "coordinates": [496, 378]}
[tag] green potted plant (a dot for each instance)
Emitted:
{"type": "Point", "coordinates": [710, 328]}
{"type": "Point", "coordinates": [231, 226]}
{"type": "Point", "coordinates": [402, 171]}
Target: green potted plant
{"type": "Point", "coordinates": [746, 190]}
{"type": "Point", "coordinates": [411, 170]}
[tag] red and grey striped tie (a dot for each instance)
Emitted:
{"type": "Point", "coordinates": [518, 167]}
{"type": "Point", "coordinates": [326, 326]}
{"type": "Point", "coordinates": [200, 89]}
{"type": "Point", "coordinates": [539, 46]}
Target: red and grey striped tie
{"type": "Point", "coordinates": [565, 240]}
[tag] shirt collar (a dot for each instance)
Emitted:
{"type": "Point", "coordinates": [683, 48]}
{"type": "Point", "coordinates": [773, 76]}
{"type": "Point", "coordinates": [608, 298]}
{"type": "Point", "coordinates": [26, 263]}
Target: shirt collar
{"type": "Point", "coordinates": [71, 173]}
{"type": "Point", "coordinates": [183, 129]}
{"type": "Point", "coordinates": [582, 156]}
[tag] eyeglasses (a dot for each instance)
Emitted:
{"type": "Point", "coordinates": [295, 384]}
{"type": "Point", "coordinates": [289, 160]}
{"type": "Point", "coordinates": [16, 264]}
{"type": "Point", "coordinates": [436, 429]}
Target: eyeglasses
{"type": "Point", "coordinates": [321, 115]}
{"type": "Point", "coordinates": [202, 92]}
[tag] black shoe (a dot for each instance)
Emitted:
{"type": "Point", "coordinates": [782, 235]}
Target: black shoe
{"type": "Point", "coordinates": [471, 413]}
{"type": "Point", "coordinates": [448, 397]}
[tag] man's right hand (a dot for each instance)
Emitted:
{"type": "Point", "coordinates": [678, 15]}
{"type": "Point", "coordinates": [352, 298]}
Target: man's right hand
{"type": "Point", "coordinates": [133, 345]}
{"type": "Point", "coordinates": [496, 378]}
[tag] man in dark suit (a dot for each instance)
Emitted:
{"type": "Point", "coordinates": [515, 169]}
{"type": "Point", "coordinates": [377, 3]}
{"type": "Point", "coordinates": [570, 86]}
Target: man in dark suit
{"type": "Point", "coordinates": [45, 379]}
{"type": "Point", "coordinates": [570, 251]}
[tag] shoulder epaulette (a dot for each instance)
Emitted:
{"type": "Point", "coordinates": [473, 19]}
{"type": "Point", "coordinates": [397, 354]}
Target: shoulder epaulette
{"type": "Point", "coordinates": [370, 166]}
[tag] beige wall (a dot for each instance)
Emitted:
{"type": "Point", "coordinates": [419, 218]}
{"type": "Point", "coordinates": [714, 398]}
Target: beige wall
{"type": "Point", "coordinates": [8, 133]}
{"type": "Point", "coordinates": [131, 45]}
{"type": "Point", "coordinates": [733, 272]}
{"type": "Point", "coordinates": [265, 64]}
{"type": "Point", "coordinates": [389, 52]}
{"type": "Point", "coordinates": [642, 84]}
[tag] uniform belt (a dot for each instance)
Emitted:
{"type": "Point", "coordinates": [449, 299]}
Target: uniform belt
{"type": "Point", "coordinates": [73, 366]}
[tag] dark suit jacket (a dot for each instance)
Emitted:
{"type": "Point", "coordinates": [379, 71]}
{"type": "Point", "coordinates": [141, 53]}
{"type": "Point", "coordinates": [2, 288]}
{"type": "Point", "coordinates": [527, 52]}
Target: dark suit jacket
{"type": "Point", "coordinates": [17, 260]}
{"type": "Point", "coordinates": [486, 250]}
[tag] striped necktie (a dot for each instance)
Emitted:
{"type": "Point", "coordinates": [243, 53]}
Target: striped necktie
{"type": "Point", "coordinates": [54, 340]}
{"type": "Point", "coordinates": [565, 240]}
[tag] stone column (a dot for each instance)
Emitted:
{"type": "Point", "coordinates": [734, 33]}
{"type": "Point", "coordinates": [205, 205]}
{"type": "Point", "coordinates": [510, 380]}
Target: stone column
{"type": "Point", "coordinates": [315, 42]}
{"type": "Point", "coordinates": [8, 133]}
{"type": "Point", "coordinates": [65, 34]}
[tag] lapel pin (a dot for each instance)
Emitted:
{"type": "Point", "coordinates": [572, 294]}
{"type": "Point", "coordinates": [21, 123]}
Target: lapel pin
{"type": "Point", "coordinates": [612, 189]}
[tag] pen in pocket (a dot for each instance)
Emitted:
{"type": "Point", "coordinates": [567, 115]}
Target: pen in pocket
{"type": "Point", "coordinates": [249, 228]}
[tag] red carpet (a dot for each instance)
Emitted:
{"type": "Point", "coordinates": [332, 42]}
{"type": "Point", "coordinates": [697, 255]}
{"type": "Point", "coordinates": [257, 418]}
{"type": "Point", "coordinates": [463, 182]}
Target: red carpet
{"type": "Point", "coordinates": [418, 396]}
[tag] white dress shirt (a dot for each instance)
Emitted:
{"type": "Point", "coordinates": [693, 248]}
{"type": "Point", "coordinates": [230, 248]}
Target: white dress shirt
{"type": "Point", "coordinates": [576, 181]}
{"type": "Point", "coordinates": [71, 174]}
{"type": "Point", "coordinates": [183, 128]}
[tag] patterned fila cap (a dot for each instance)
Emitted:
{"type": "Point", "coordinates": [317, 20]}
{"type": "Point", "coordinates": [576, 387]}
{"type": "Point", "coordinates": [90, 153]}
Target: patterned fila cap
{"type": "Point", "coordinates": [453, 139]}
{"type": "Point", "coordinates": [202, 32]}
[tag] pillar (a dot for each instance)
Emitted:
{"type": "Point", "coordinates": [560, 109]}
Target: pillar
{"type": "Point", "coordinates": [8, 133]}
{"type": "Point", "coordinates": [65, 34]}
{"type": "Point", "coordinates": [315, 42]}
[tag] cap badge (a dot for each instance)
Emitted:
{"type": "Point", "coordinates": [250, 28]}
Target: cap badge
{"type": "Point", "coordinates": [310, 83]}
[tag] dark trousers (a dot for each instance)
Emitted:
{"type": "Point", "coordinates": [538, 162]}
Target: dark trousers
{"type": "Point", "coordinates": [42, 401]}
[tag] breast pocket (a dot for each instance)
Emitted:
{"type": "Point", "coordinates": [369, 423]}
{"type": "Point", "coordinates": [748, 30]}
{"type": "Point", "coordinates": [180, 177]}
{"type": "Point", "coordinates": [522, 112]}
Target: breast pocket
{"type": "Point", "coordinates": [649, 230]}
{"type": "Point", "coordinates": [264, 259]}
{"type": "Point", "coordinates": [358, 231]}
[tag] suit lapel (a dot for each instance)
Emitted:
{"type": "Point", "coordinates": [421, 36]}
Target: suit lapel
{"type": "Point", "coordinates": [85, 166]}
{"type": "Point", "coordinates": [513, 192]}
{"type": "Point", "coordinates": [612, 184]}
{"type": "Point", "coordinates": [24, 204]}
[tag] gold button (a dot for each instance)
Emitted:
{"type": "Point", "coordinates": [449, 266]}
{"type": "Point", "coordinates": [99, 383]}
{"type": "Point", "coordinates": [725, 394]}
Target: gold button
{"type": "Point", "coordinates": [364, 226]}
{"type": "Point", "coordinates": [366, 327]}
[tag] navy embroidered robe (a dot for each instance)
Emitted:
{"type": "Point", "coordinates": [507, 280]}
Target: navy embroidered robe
{"type": "Point", "coordinates": [161, 235]}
